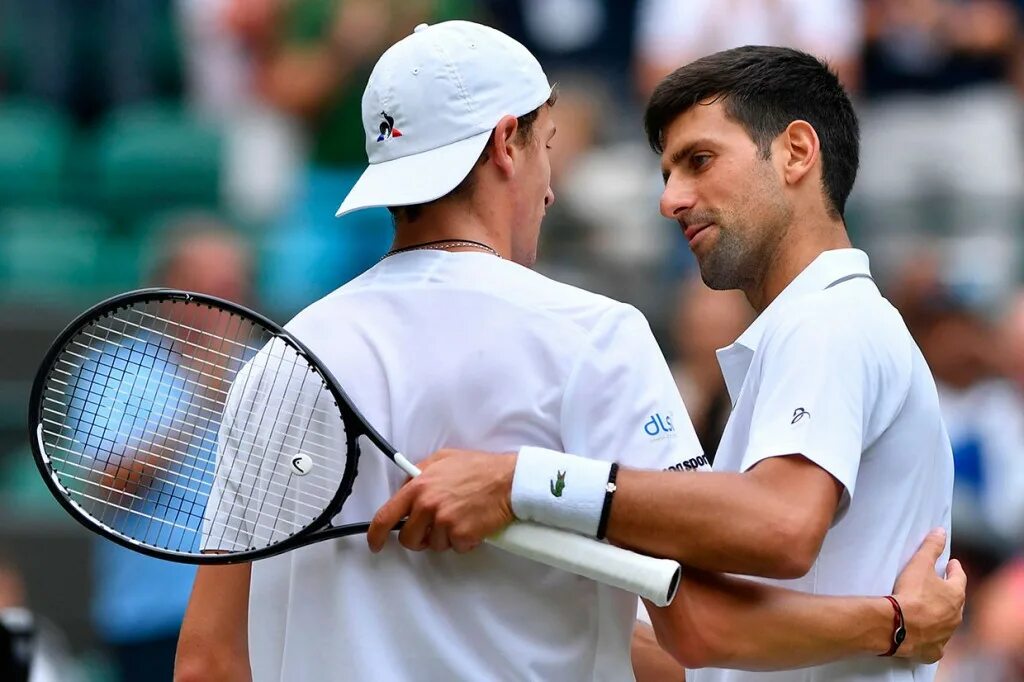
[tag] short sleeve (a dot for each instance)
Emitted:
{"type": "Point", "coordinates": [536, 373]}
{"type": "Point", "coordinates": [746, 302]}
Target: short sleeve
{"type": "Point", "coordinates": [621, 402]}
{"type": "Point", "coordinates": [819, 381]}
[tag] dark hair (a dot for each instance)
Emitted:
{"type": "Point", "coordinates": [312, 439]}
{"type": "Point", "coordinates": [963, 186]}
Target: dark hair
{"type": "Point", "coordinates": [524, 134]}
{"type": "Point", "coordinates": [765, 89]}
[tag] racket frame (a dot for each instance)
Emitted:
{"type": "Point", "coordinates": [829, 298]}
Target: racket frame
{"type": "Point", "coordinates": [318, 529]}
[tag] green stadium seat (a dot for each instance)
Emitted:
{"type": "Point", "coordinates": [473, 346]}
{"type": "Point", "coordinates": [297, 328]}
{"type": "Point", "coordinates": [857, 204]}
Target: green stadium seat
{"type": "Point", "coordinates": [63, 256]}
{"type": "Point", "coordinates": [34, 142]}
{"type": "Point", "coordinates": [21, 486]}
{"type": "Point", "coordinates": [151, 158]}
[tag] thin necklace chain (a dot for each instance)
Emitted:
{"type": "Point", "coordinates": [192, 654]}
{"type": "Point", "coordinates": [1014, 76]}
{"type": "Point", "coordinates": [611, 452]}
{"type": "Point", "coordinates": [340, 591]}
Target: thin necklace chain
{"type": "Point", "coordinates": [441, 245]}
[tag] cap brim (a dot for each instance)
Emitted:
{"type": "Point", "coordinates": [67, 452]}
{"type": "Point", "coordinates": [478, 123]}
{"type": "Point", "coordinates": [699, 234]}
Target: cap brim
{"type": "Point", "coordinates": [417, 178]}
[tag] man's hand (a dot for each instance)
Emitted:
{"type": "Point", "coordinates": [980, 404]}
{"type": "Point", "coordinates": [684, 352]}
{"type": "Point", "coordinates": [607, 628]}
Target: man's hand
{"type": "Point", "coordinates": [460, 498]}
{"type": "Point", "coordinates": [932, 607]}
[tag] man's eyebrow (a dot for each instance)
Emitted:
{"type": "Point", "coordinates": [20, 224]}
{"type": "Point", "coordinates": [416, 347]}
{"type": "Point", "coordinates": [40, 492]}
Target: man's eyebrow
{"type": "Point", "coordinates": [681, 154]}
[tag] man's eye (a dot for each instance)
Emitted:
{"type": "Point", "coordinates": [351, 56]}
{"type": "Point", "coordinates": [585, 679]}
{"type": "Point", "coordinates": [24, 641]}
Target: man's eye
{"type": "Point", "coordinates": [699, 160]}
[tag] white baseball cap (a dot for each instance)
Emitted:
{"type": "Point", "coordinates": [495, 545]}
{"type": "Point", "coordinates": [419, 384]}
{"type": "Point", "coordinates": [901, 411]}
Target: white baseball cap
{"type": "Point", "coordinates": [430, 106]}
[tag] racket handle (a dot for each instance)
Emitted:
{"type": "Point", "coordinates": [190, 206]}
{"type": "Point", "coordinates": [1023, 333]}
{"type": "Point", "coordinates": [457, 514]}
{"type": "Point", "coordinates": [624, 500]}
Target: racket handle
{"type": "Point", "coordinates": [654, 579]}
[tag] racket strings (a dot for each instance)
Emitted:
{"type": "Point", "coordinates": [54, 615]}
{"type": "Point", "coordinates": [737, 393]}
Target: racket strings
{"type": "Point", "coordinates": [184, 456]}
{"type": "Point", "coordinates": [213, 412]}
{"type": "Point", "coordinates": [179, 451]}
{"type": "Point", "coordinates": [177, 422]}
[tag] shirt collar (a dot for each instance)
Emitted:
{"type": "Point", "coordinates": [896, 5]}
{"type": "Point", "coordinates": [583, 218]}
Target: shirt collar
{"type": "Point", "coordinates": [828, 268]}
{"type": "Point", "coordinates": [824, 271]}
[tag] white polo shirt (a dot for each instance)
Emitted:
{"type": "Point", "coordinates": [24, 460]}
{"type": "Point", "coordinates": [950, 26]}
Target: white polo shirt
{"type": "Point", "coordinates": [467, 350]}
{"type": "Point", "coordinates": [830, 371]}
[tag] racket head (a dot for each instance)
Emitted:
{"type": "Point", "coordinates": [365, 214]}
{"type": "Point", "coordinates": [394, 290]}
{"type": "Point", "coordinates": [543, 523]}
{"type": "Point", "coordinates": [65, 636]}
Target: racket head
{"type": "Point", "coordinates": [78, 394]}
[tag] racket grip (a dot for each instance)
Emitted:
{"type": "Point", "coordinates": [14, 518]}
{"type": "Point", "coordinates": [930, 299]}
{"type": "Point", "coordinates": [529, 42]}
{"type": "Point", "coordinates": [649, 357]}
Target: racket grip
{"type": "Point", "coordinates": [654, 579]}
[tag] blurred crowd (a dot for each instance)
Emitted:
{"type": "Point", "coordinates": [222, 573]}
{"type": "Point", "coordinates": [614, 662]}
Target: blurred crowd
{"type": "Point", "coordinates": [206, 144]}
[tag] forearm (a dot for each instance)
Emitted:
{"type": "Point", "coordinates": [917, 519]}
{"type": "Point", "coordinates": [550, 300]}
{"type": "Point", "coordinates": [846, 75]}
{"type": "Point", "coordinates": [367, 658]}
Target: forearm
{"type": "Point", "coordinates": [651, 663]}
{"type": "Point", "coordinates": [729, 523]}
{"type": "Point", "coordinates": [720, 621]}
{"type": "Point", "coordinates": [213, 643]}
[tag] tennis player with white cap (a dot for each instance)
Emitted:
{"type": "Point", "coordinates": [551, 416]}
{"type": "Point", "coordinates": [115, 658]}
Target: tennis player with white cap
{"type": "Point", "coordinates": [451, 341]}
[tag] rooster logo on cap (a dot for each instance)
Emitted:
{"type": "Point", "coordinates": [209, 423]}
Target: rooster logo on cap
{"type": "Point", "coordinates": [387, 127]}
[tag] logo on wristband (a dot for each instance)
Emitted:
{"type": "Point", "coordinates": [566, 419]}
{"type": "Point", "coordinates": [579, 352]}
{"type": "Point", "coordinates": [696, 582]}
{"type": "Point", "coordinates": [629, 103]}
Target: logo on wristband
{"type": "Point", "coordinates": [557, 486]}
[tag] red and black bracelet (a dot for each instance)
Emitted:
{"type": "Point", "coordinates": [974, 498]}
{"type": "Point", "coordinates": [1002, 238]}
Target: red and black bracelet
{"type": "Point", "coordinates": [899, 628]}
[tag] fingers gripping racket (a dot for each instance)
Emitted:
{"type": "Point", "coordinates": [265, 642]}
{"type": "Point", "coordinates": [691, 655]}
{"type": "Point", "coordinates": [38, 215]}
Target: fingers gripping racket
{"type": "Point", "coordinates": [192, 429]}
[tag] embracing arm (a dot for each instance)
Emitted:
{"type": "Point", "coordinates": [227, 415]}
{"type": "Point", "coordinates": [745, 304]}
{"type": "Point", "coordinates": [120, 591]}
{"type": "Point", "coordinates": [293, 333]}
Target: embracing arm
{"type": "Point", "coordinates": [715, 620]}
{"type": "Point", "coordinates": [651, 663]}
{"type": "Point", "coordinates": [213, 644]}
{"type": "Point", "coordinates": [769, 521]}
{"type": "Point", "coordinates": [729, 622]}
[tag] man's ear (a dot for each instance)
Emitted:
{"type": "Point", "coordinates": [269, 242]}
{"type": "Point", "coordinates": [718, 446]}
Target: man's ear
{"type": "Point", "coordinates": [501, 148]}
{"type": "Point", "coordinates": [800, 150]}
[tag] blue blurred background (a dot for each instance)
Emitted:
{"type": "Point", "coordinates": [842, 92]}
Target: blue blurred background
{"type": "Point", "coordinates": [205, 144]}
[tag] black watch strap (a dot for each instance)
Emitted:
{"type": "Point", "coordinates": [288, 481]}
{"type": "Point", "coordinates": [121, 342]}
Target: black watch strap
{"type": "Point", "coordinates": [606, 509]}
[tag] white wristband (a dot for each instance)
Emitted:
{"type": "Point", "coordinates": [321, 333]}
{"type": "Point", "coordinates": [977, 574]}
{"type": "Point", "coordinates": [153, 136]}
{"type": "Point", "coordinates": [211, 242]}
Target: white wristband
{"type": "Point", "coordinates": [560, 490]}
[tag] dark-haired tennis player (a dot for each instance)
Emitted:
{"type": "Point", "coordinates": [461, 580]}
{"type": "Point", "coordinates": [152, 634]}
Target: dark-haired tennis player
{"type": "Point", "coordinates": [835, 462]}
{"type": "Point", "coordinates": [451, 340]}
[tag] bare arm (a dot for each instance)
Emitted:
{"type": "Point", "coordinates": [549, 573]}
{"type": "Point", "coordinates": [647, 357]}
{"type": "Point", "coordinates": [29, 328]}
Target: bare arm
{"type": "Point", "coordinates": [769, 521]}
{"type": "Point", "coordinates": [213, 644]}
{"type": "Point", "coordinates": [728, 622]}
{"type": "Point", "coordinates": [715, 620]}
{"type": "Point", "coordinates": [651, 663]}
{"type": "Point", "coordinates": [734, 623]}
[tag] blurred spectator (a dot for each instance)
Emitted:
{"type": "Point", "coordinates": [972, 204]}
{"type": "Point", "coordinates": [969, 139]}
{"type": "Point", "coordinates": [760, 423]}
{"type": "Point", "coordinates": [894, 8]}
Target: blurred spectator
{"type": "Point", "coordinates": [990, 648]}
{"type": "Point", "coordinates": [570, 35]}
{"type": "Point", "coordinates": [705, 320]}
{"type": "Point", "coordinates": [312, 60]}
{"type": "Point", "coordinates": [264, 145]}
{"type": "Point", "coordinates": [12, 588]}
{"type": "Point", "coordinates": [89, 71]}
{"type": "Point", "coordinates": [672, 33]}
{"type": "Point", "coordinates": [604, 231]}
{"type": "Point", "coordinates": [31, 649]}
{"type": "Point", "coordinates": [1012, 341]}
{"type": "Point", "coordinates": [940, 136]}
{"type": "Point", "coordinates": [139, 601]}
{"type": "Point", "coordinates": [984, 415]}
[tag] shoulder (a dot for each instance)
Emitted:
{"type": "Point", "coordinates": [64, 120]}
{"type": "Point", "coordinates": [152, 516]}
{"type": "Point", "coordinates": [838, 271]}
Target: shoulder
{"type": "Point", "coordinates": [855, 327]}
{"type": "Point", "coordinates": [324, 314]}
{"type": "Point", "coordinates": [579, 307]}
{"type": "Point", "coordinates": [857, 314]}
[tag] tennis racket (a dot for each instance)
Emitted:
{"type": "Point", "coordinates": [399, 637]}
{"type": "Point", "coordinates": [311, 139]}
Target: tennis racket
{"type": "Point", "coordinates": [191, 429]}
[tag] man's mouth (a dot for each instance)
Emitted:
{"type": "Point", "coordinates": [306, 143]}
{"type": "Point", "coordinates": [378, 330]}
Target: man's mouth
{"type": "Point", "coordinates": [692, 231]}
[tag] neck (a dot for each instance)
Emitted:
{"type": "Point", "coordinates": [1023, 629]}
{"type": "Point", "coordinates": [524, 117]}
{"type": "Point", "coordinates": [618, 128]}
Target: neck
{"type": "Point", "coordinates": [797, 248]}
{"type": "Point", "coordinates": [454, 221]}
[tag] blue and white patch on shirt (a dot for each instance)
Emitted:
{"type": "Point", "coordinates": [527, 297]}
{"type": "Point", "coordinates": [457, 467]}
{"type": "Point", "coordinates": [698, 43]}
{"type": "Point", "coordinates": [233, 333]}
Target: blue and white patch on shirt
{"type": "Point", "coordinates": [659, 426]}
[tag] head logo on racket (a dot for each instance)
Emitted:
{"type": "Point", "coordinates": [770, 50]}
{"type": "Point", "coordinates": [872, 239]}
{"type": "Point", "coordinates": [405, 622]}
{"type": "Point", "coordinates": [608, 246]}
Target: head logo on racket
{"type": "Point", "coordinates": [302, 463]}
